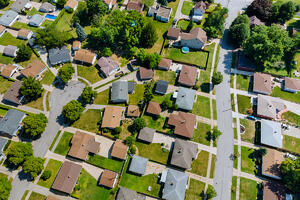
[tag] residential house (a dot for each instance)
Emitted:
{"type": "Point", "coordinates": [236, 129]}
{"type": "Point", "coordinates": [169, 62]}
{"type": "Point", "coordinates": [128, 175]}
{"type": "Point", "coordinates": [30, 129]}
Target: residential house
{"type": "Point", "coordinates": [269, 107]}
{"type": "Point", "coordinates": [59, 55]}
{"type": "Point", "coordinates": [270, 133]}
{"type": "Point", "coordinates": [47, 7]}
{"type": "Point", "coordinates": [112, 117]}
{"type": "Point", "coordinates": [11, 122]}
{"type": "Point", "coordinates": [146, 135]}
{"type": "Point", "coordinates": [135, 5]}
{"type": "Point", "coordinates": [185, 98]}
{"type": "Point", "coordinates": [271, 163]}
{"type": "Point", "coordinates": [254, 21]}
{"type": "Point", "coordinates": [24, 34]}
{"type": "Point", "coordinates": [3, 143]}
{"type": "Point", "coordinates": [146, 74]}
{"type": "Point", "coordinates": [163, 14]}
{"type": "Point", "coordinates": [184, 153]}
{"type": "Point", "coordinates": [244, 63]}
{"type": "Point", "coordinates": [2, 30]}
{"type": "Point", "coordinates": [131, 86]}
{"type": "Point", "coordinates": [199, 11]}
{"type": "Point", "coordinates": [13, 95]}
{"type": "Point", "coordinates": [188, 76]}
{"type": "Point", "coordinates": [36, 20]}
{"type": "Point", "coordinates": [154, 108]}
{"type": "Point", "coordinates": [83, 144]}
{"type": "Point", "coordinates": [173, 33]}
{"type": "Point", "coordinates": [76, 45]}
{"type": "Point", "coordinates": [164, 64]}
{"type": "Point", "coordinates": [195, 39]}
{"type": "Point", "coordinates": [175, 185]}
{"type": "Point", "coordinates": [262, 83]}
{"type": "Point", "coordinates": [107, 66]}
{"type": "Point", "coordinates": [84, 56]}
{"type": "Point", "coordinates": [8, 71]}
{"type": "Point", "coordinates": [34, 69]}
{"type": "Point", "coordinates": [119, 92]}
{"type": "Point", "coordinates": [161, 87]}
{"type": "Point", "coordinates": [127, 194]}
{"type": "Point", "coordinates": [108, 179]}
{"type": "Point", "coordinates": [50, 197]}
{"type": "Point", "coordinates": [291, 84]}
{"type": "Point", "coordinates": [67, 177]}
{"type": "Point", "coordinates": [274, 191]}
{"type": "Point", "coordinates": [71, 5]}
{"type": "Point", "coordinates": [8, 18]}
{"type": "Point", "coordinates": [152, 11]}
{"type": "Point", "coordinates": [119, 150]}
{"type": "Point", "coordinates": [133, 111]}
{"type": "Point", "coordinates": [184, 123]}
{"type": "Point", "coordinates": [110, 3]}
{"type": "Point", "coordinates": [138, 165]}
{"type": "Point", "coordinates": [19, 5]}
{"type": "Point", "coordinates": [10, 51]}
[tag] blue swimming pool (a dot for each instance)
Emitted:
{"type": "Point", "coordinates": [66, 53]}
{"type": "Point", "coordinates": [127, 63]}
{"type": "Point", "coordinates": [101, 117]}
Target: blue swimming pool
{"type": "Point", "coordinates": [51, 16]}
{"type": "Point", "coordinates": [185, 50]}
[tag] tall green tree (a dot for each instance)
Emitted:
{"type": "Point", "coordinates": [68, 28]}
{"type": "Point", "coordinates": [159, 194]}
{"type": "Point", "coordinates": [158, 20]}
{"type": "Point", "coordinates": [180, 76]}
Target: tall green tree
{"type": "Point", "coordinates": [217, 78]}
{"type": "Point", "coordinates": [290, 170]}
{"type": "Point", "coordinates": [31, 88]}
{"type": "Point", "coordinates": [80, 32]}
{"type": "Point", "coordinates": [50, 37]}
{"type": "Point", "coordinates": [138, 124]}
{"type": "Point", "coordinates": [96, 7]}
{"type": "Point", "coordinates": [260, 8]}
{"type": "Point", "coordinates": [286, 12]}
{"type": "Point", "coordinates": [239, 30]}
{"type": "Point", "coordinates": [65, 73]}
{"type": "Point", "coordinates": [149, 35]}
{"type": "Point", "coordinates": [3, 3]}
{"type": "Point", "coordinates": [72, 111]}
{"type": "Point", "coordinates": [214, 24]}
{"type": "Point", "coordinates": [211, 192]}
{"type": "Point", "coordinates": [24, 53]}
{"type": "Point", "coordinates": [88, 95]}
{"type": "Point", "coordinates": [104, 36]}
{"type": "Point", "coordinates": [5, 188]}
{"type": "Point", "coordinates": [34, 124]}
{"type": "Point", "coordinates": [33, 166]}
{"type": "Point", "coordinates": [148, 95]}
{"type": "Point", "coordinates": [18, 152]}
{"type": "Point", "coordinates": [61, 3]}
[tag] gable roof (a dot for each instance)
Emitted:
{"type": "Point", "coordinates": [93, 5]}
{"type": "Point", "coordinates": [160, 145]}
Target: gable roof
{"type": "Point", "coordinates": [76, 44]}
{"type": "Point", "coordinates": [59, 55]}
{"type": "Point", "coordinates": [23, 33]}
{"type": "Point", "coordinates": [146, 73]}
{"type": "Point", "coordinates": [164, 12]}
{"type": "Point", "coordinates": [84, 55]}
{"type": "Point", "coordinates": [165, 63]}
{"type": "Point", "coordinates": [36, 20]}
{"type": "Point", "coordinates": [3, 142]}
{"type": "Point", "coordinates": [135, 5]}
{"type": "Point", "coordinates": [271, 163]}
{"type": "Point", "coordinates": [188, 75]}
{"type": "Point", "coordinates": [262, 83]}
{"type": "Point", "coordinates": [12, 94]}
{"type": "Point", "coordinates": [111, 117]}
{"type": "Point", "coordinates": [108, 178]}
{"type": "Point", "coordinates": [175, 185]}
{"type": "Point", "coordinates": [195, 33]}
{"type": "Point", "coordinates": [254, 21]}
{"type": "Point", "coordinates": [200, 5]}
{"type": "Point", "coordinates": [271, 133]}
{"type": "Point", "coordinates": [19, 5]}
{"type": "Point", "coordinates": [6, 70]}
{"type": "Point", "coordinates": [273, 191]}
{"type": "Point", "coordinates": [154, 108]}
{"type": "Point", "coordinates": [183, 153]}
{"type": "Point", "coordinates": [133, 111]}
{"type": "Point", "coordinates": [184, 123]}
{"type": "Point", "coordinates": [10, 50]}
{"type": "Point", "coordinates": [8, 17]}
{"type": "Point", "coordinates": [82, 144]}
{"type": "Point", "coordinates": [291, 84]}
{"type": "Point", "coordinates": [161, 87]}
{"type": "Point", "coordinates": [67, 177]}
{"type": "Point", "coordinates": [126, 194]}
{"type": "Point", "coordinates": [47, 7]}
{"type": "Point", "coordinates": [34, 68]}
{"type": "Point", "coordinates": [138, 165]}
{"type": "Point", "coordinates": [11, 122]}
{"type": "Point", "coordinates": [173, 32]}
{"type": "Point", "coordinates": [107, 65]}
{"type": "Point", "coordinates": [146, 134]}
{"type": "Point", "coordinates": [268, 107]}
{"type": "Point", "coordinates": [185, 98]}
{"type": "Point", "coordinates": [119, 91]}
{"type": "Point", "coordinates": [119, 150]}
{"type": "Point", "coordinates": [71, 4]}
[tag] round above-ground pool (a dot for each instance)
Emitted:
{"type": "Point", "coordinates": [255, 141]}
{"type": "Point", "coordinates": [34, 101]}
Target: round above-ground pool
{"type": "Point", "coordinates": [185, 50]}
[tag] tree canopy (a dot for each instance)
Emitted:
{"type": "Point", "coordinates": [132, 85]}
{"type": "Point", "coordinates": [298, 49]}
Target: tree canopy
{"type": "Point", "coordinates": [96, 7]}
{"type": "Point", "coordinates": [214, 23]}
{"type": "Point", "coordinates": [149, 35]}
{"type": "Point", "coordinates": [262, 9]}
{"type": "Point", "coordinates": [31, 88]}
{"type": "Point", "coordinates": [35, 124]}
{"type": "Point", "coordinates": [239, 30]}
{"type": "Point", "coordinates": [50, 37]}
{"type": "Point", "coordinates": [72, 111]}
{"type": "Point", "coordinates": [148, 60]}
{"type": "Point", "coordinates": [3, 3]}
{"type": "Point", "coordinates": [138, 124]}
{"type": "Point", "coordinates": [88, 95]}
{"type": "Point", "coordinates": [18, 152]}
{"type": "Point", "coordinates": [5, 188]}
{"type": "Point", "coordinates": [217, 78]}
{"type": "Point", "coordinates": [148, 95]}
{"type": "Point", "coordinates": [24, 53]}
{"type": "Point", "coordinates": [65, 73]}
{"type": "Point", "coordinates": [80, 32]}
{"type": "Point", "coordinates": [290, 170]}
{"type": "Point", "coordinates": [33, 166]}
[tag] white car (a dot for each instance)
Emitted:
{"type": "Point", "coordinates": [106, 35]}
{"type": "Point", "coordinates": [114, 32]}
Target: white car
{"type": "Point", "coordinates": [291, 156]}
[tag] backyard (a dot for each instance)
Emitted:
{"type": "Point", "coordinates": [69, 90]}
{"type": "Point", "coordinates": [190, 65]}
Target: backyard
{"type": "Point", "coordinates": [91, 73]}
{"type": "Point", "coordinates": [248, 189]}
{"type": "Point", "coordinates": [294, 97]}
{"type": "Point", "coordinates": [248, 163]}
{"type": "Point", "coordinates": [63, 146]}
{"type": "Point", "coordinates": [5, 84]}
{"type": "Point", "coordinates": [153, 151]}
{"type": "Point", "coordinates": [249, 135]}
{"type": "Point", "coordinates": [168, 76]}
{"type": "Point", "coordinates": [138, 94]}
{"type": "Point", "coordinates": [244, 104]}
{"type": "Point", "coordinates": [89, 121]}
{"type": "Point", "coordinates": [5, 59]}
{"type": "Point", "coordinates": [200, 134]}
{"type": "Point", "coordinates": [202, 107]}
{"type": "Point", "coordinates": [291, 117]}
{"type": "Point", "coordinates": [199, 165]}
{"type": "Point", "coordinates": [53, 166]}
{"type": "Point", "coordinates": [194, 190]}
{"type": "Point", "coordinates": [183, 24]}
{"type": "Point", "coordinates": [291, 144]}
{"type": "Point", "coordinates": [187, 7]}
{"type": "Point", "coordinates": [156, 123]}
{"type": "Point", "coordinates": [106, 163]}
{"type": "Point", "coordinates": [8, 39]}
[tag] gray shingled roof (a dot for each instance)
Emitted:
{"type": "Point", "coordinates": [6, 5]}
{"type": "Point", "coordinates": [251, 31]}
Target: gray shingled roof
{"type": "Point", "coordinates": [59, 55]}
{"type": "Point", "coordinates": [10, 50]}
{"type": "Point", "coordinates": [185, 98]}
{"type": "Point", "coordinates": [119, 91]}
{"type": "Point", "coordinates": [126, 194]}
{"type": "Point", "coordinates": [183, 153]}
{"type": "Point", "coordinates": [271, 133]}
{"type": "Point", "coordinates": [138, 165]}
{"type": "Point", "coordinates": [8, 17]}
{"type": "Point", "coordinates": [19, 5]}
{"type": "Point", "coordinates": [146, 134]}
{"type": "Point", "coordinates": [3, 142]}
{"type": "Point", "coordinates": [161, 87]}
{"type": "Point", "coordinates": [47, 7]}
{"type": "Point", "coordinates": [175, 185]}
{"type": "Point", "coordinates": [36, 20]}
{"type": "Point", "coordinates": [11, 122]}
{"type": "Point", "coordinates": [131, 86]}
{"type": "Point", "coordinates": [268, 106]}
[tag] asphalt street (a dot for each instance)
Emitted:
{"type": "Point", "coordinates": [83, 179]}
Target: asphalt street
{"type": "Point", "coordinates": [224, 165]}
{"type": "Point", "coordinates": [58, 98]}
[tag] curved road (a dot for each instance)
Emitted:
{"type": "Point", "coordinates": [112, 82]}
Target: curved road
{"type": "Point", "coordinates": [224, 165]}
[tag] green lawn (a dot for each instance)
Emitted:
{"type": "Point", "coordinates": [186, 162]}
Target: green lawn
{"type": "Point", "coordinates": [249, 135]}
{"type": "Point", "coordinates": [168, 76]}
{"type": "Point", "coordinates": [149, 3]}
{"type": "Point", "coordinates": [37, 104]}
{"type": "Point", "coordinates": [88, 121]}
{"type": "Point", "coordinates": [152, 151]}
{"type": "Point", "coordinates": [2, 112]}
{"type": "Point", "coordinates": [213, 163]}
{"type": "Point", "coordinates": [91, 73]}
{"type": "Point", "coordinates": [5, 84]}
{"type": "Point", "coordinates": [53, 142]}
{"type": "Point", "coordinates": [195, 189]}
{"type": "Point", "coordinates": [8, 6]}
{"type": "Point", "coordinates": [183, 24]}
{"type": "Point", "coordinates": [156, 123]}
{"type": "Point", "coordinates": [187, 7]}
{"type": "Point", "coordinates": [204, 81]}
{"type": "Point", "coordinates": [202, 107]}
{"type": "Point", "coordinates": [244, 103]}
{"type": "Point", "coordinates": [291, 117]}
{"type": "Point", "coordinates": [8, 39]}
{"type": "Point", "coordinates": [105, 163]}
{"type": "Point", "coordinates": [291, 144]}
{"type": "Point", "coordinates": [102, 98]}
{"type": "Point", "coordinates": [20, 25]}
{"type": "Point", "coordinates": [3, 175]}
{"type": "Point", "coordinates": [53, 166]}
{"type": "Point", "coordinates": [199, 165]}
{"type": "Point", "coordinates": [200, 134]}
{"type": "Point", "coordinates": [5, 59]}
{"type": "Point", "coordinates": [248, 189]}
{"type": "Point", "coordinates": [48, 78]}
{"type": "Point", "coordinates": [233, 188]}
{"type": "Point", "coordinates": [248, 164]}
{"type": "Point", "coordinates": [36, 196]}
{"type": "Point", "coordinates": [89, 189]}
{"type": "Point", "coordinates": [242, 82]}
{"type": "Point", "coordinates": [140, 183]}
{"type": "Point", "coordinates": [214, 103]}
{"type": "Point", "coordinates": [64, 23]}
{"type": "Point", "coordinates": [138, 94]}
{"type": "Point", "coordinates": [160, 98]}
{"type": "Point", "coordinates": [24, 195]}
{"type": "Point", "coordinates": [232, 102]}
{"type": "Point", "coordinates": [235, 133]}
{"type": "Point", "coordinates": [34, 11]}
{"type": "Point", "coordinates": [235, 161]}
{"type": "Point", "coordinates": [63, 146]}
{"type": "Point", "coordinates": [294, 97]}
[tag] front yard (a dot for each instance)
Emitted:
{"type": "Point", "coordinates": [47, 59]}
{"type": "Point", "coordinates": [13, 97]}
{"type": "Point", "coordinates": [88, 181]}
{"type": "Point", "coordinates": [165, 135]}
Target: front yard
{"type": "Point", "coordinates": [153, 151]}
{"type": "Point", "coordinates": [38, 103]}
{"type": "Point", "coordinates": [53, 166]}
{"type": "Point", "coordinates": [248, 189]}
{"type": "Point", "coordinates": [48, 78]}
{"type": "Point", "coordinates": [168, 76]}
{"type": "Point", "coordinates": [200, 134]}
{"type": "Point", "coordinates": [291, 117]}
{"type": "Point", "coordinates": [242, 82]}
{"type": "Point", "coordinates": [199, 165]}
{"type": "Point", "coordinates": [187, 7]}
{"type": "Point", "coordinates": [105, 163]}
{"type": "Point", "coordinates": [249, 135]}
{"type": "Point", "coordinates": [5, 59]}
{"type": "Point", "coordinates": [63, 146]}
{"type": "Point", "coordinates": [202, 107]}
{"type": "Point", "coordinates": [36, 196]}
{"type": "Point", "coordinates": [89, 121]}
{"type": "Point", "coordinates": [195, 190]}
{"type": "Point", "coordinates": [248, 163]}
{"type": "Point", "coordinates": [291, 144]}
{"type": "Point", "coordinates": [5, 84]}
{"type": "Point", "coordinates": [91, 73]}
{"type": "Point", "coordinates": [244, 104]}
{"type": "Point", "coordinates": [102, 98]}
{"type": "Point", "coordinates": [294, 97]}
{"type": "Point", "coordinates": [204, 81]}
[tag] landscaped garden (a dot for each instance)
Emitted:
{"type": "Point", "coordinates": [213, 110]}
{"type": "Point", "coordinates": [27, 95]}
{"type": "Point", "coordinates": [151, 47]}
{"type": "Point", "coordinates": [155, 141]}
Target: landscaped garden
{"type": "Point", "coordinates": [294, 97]}
{"type": "Point", "coordinates": [5, 84]}
{"type": "Point", "coordinates": [89, 121]}
{"type": "Point", "coordinates": [249, 135]}
{"type": "Point", "coordinates": [53, 166]}
{"type": "Point", "coordinates": [244, 104]}
{"type": "Point", "coordinates": [106, 163]}
{"type": "Point", "coordinates": [91, 73]}
{"type": "Point", "coordinates": [153, 151]}
{"type": "Point", "coordinates": [199, 165]}
{"type": "Point", "coordinates": [291, 144]}
{"type": "Point", "coordinates": [248, 163]}
{"type": "Point", "coordinates": [202, 107]}
{"type": "Point", "coordinates": [248, 189]}
{"type": "Point", "coordinates": [63, 146]}
{"type": "Point", "coordinates": [195, 190]}
{"type": "Point", "coordinates": [168, 76]}
{"type": "Point", "coordinates": [200, 133]}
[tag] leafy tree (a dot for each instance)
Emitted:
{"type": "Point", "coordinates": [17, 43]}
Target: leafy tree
{"type": "Point", "coordinates": [5, 188]}
{"type": "Point", "coordinates": [88, 95]}
{"type": "Point", "coordinates": [214, 24]}
{"type": "Point", "coordinates": [96, 7]}
{"type": "Point", "coordinates": [24, 53]}
{"type": "Point", "coordinates": [290, 174]}
{"type": "Point", "coordinates": [80, 16]}
{"type": "Point", "coordinates": [18, 152]}
{"type": "Point", "coordinates": [31, 88]}
{"type": "Point", "coordinates": [267, 45]}
{"type": "Point", "coordinates": [211, 192]}
{"type": "Point", "coordinates": [148, 60]}
{"type": "Point", "coordinates": [286, 12]}
{"type": "Point", "coordinates": [105, 36]}
{"type": "Point", "coordinates": [239, 30]}
{"type": "Point", "coordinates": [72, 111]}
{"type": "Point", "coordinates": [148, 95]}
{"type": "Point", "coordinates": [50, 37]}
{"type": "Point", "coordinates": [106, 52]}
{"type": "Point", "coordinates": [80, 32]}
{"type": "Point", "coordinates": [163, 2]}
{"type": "Point", "coordinates": [167, 104]}
{"type": "Point", "coordinates": [4, 3]}
{"type": "Point", "coordinates": [129, 141]}
{"type": "Point", "coordinates": [65, 73]}
{"type": "Point", "coordinates": [149, 35]}
{"type": "Point", "coordinates": [190, 26]}
{"type": "Point", "coordinates": [117, 130]}
{"type": "Point", "coordinates": [33, 166]}
{"type": "Point", "coordinates": [46, 175]}
{"type": "Point", "coordinates": [262, 152]}
{"type": "Point", "coordinates": [35, 124]}
{"type": "Point", "coordinates": [260, 8]}
{"type": "Point", "coordinates": [217, 78]}
{"type": "Point", "coordinates": [241, 19]}
{"type": "Point", "coordinates": [275, 13]}
{"type": "Point", "coordinates": [215, 134]}
{"type": "Point", "coordinates": [61, 3]}
{"type": "Point", "coordinates": [138, 124]}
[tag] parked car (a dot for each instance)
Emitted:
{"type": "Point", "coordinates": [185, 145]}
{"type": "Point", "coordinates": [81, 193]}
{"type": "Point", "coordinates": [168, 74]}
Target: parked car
{"type": "Point", "coordinates": [291, 156]}
{"type": "Point", "coordinates": [285, 126]}
{"type": "Point", "coordinates": [279, 80]}
{"type": "Point", "coordinates": [252, 117]}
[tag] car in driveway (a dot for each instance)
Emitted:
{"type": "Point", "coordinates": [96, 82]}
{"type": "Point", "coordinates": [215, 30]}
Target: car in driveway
{"type": "Point", "coordinates": [251, 117]}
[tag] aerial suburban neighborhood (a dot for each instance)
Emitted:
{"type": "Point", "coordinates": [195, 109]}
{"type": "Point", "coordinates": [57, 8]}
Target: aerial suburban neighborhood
{"type": "Point", "coordinates": [150, 99]}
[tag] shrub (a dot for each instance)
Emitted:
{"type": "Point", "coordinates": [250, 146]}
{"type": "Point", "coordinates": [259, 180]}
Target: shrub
{"type": "Point", "coordinates": [46, 175]}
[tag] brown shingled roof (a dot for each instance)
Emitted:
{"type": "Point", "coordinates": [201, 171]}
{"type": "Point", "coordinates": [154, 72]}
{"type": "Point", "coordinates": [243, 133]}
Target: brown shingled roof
{"type": "Point", "coordinates": [154, 108]}
{"type": "Point", "coordinates": [184, 123]}
{"type": "Point", "coordinates": [119, 150]}
{"type": "Point", "coordinates": [165, 63]}
{"type": "Point", "coordinates": [67, 177]}
{"type": "Point", "coordinates": [133, 111]}
{"type": "Point", "coordinates": [291, 83]}
{"type": "Point", "coordinates": [271, 163]}
{"type": "Point", "coordinates": [108, 178]}
{"type": "Point", "coordinates": [262, 83]}
{"type": "Point", "coordinates": [71, 3]}
{"type": "Point", "coordinates": [188, 76]}
{"type": "Point", "coordinates": [200, 4]}
{"type": "Point", "coordinates": [198, 33]}
{"type": "Point", "coordinates": [7, 70]}
{"type": "Point", "coordinates": [24, 33]}
{"type": "Point", "coordinates": [146, 73]}
{"type": "Point", "coordinates": [2, 28]}
{"type": "Point", "coordinates": [76, 44]}
{"type": "Point", "coordinates": [273, 191]}
{"type": "Point", "coordinates": [33, 69]}
{"type": "Point", "coordinates": [84, 55]}
{"type": "Point", "coordinates": [50, 197]}
{"type": "Point", "coordinates": [135, 5]}
{"type": "Point", "coordinates": [13, 94]}
{"type": "Point", "coordinates": [107, 2]}
{"type": "Point", "coordinates": [173, 33]}
{"type": "Point", "coordinates": [82, 145]}
{"type": "Point", "coordinates": [112, 117]}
